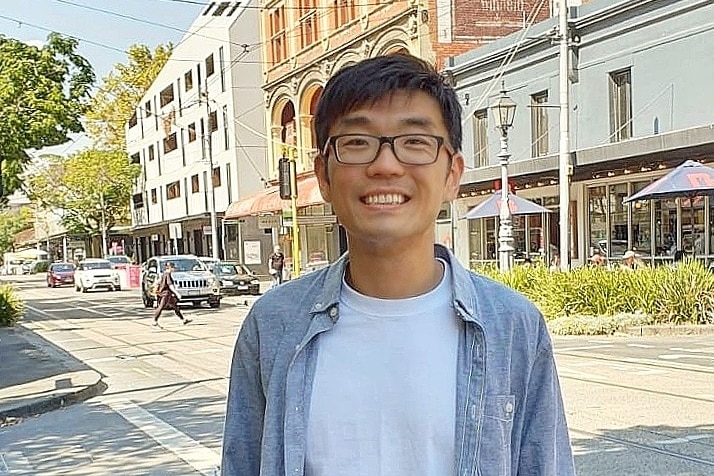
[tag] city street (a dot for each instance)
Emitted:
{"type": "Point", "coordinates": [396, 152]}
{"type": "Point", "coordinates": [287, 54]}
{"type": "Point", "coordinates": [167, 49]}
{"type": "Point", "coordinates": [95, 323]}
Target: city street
{"type": "Point", "coordinates": [636, 405]}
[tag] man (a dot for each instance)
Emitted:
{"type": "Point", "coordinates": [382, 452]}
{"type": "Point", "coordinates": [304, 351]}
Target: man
{"type": "Point", "coordinates": [276, 262]}
{"type": "Point", "coordinates": [169, 295]}
{"type": "Point", "coordinates": [630, 261]}
{"type": "Point", "coordinates": [597, 260]}
{"type": "Point", "coordinates": [394, 360]}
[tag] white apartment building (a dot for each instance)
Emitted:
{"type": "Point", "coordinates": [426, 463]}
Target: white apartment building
{"type": "Point", "coordinates": [199, 135]}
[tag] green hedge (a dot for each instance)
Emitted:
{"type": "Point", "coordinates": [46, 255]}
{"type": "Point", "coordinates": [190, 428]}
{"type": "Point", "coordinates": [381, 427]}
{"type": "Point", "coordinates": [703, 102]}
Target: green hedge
{"type": "Point", "coordinates": [11, 306]}
{"type": "Point", "coordinates": [665, 294]}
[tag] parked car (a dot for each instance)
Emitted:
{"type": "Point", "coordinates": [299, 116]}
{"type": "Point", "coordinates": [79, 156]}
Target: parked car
{"type": "Point", "coordinates": [95, 273]}
{"type": "Point", "coordinates": [194, 281]}
{"type": "Point", "coordinates": [118, 261]}
{"type": "Point", "coordinates": [236, 278]}
{"type": "Point", "coordinates": [59, 274]}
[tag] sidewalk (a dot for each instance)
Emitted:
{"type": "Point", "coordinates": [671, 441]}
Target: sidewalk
{"type": "Point", "coordinates": [36, 376]}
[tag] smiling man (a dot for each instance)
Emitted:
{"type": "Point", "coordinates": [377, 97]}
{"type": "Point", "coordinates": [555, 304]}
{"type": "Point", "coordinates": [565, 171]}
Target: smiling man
{"type": "Point", "coordinates": [394, 360]}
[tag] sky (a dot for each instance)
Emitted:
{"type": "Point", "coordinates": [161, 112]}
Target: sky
{"type": "Point", "coordinates": [103, 27]}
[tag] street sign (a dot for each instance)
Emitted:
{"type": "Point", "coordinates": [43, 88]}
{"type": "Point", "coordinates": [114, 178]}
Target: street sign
{"type": "Point", "coordinates": [207, 230]}
{"type": "Point", "coordinates": [175, 231]}
{"type": "Point", "coordinates": [269, 221]}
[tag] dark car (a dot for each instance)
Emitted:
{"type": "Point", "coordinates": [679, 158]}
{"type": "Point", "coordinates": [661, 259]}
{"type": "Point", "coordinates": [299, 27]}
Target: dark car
{"type": "Point", "coordinates": [236, 278]}
{"type": "Point", "coordinates": [59, 274]}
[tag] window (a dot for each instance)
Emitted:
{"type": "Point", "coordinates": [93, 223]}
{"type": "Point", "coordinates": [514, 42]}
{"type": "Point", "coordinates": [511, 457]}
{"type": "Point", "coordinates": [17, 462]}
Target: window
{"type": "Point", "coordinates": [138, 200]}
{"type": "Point", "coordinates": [170, 143]}
{"type": "Point", "coordinates": [222, 7]}
{"type": "Point", "coordinates": [278, 41]}
{"type": "Point", "coordinates": [147, 108]}
{"type": "Point", "coordinates": [539, 124]}
{"type": "Point", "coordinates": [343, 12]}
{"type": "Point", "coordinates": [481, 138]}
{"type": "Point", "coordinates": [210, 67]}
{"type": "Point", "coordinates": [225, 127]}
{"type": "Point", "coordinates": [308, 23]}
{"type": "Point", "coordinates": [153, 196]}
{"type": "Point", "coordinates": [221, 68]}
{"type": "Point", "coordinates": [167, 95]}
{"type": "Point", "coordinates": [192, 132]}
{"type": "Point", "coordinates": [132, 120]}
{"type": "Point", "coordinates": [151, 152]}
{"type": "Point", "coordinates": [620, 105]}
{"type": "Point", "coordinates": [216, 176]}
{"type": "Point", "coordinates": [188, 80]}
{"type": "Point", "coordinates": [213, 121]}
{"type": "Point", "coordinates": [135, 159]}
{"type": "Point", "coordinates": [194, 183]}
{"type": "Point", "coordinates": [173, 190]}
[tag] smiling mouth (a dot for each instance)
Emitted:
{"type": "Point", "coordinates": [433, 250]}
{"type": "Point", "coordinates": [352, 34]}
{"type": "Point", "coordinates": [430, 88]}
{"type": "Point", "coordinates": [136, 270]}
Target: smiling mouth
{"type": "Point", "coordinates": [385, 199]}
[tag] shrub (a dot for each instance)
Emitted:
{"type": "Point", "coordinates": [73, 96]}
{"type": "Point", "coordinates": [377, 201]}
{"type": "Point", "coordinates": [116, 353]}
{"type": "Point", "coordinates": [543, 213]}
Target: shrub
{"type": "Point", "coordinates": [671, 295]}
{"type": "Point", "coordinates": [11, 306]}
{"type": "Point", "coordinates": [596, 325]}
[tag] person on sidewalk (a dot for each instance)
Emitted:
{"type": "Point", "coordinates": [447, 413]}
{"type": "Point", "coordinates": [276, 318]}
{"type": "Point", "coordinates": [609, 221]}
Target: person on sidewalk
{"type": "Point", "coordinates": [276, 263]}
{"type": "Point", "coordinates": [169, 295]}
{"type": "Point", "coordinates": [395, 359]}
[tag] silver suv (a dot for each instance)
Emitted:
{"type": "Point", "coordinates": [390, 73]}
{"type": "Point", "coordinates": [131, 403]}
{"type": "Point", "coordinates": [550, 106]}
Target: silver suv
{"type": "Point", "coordinates": [194, 281]}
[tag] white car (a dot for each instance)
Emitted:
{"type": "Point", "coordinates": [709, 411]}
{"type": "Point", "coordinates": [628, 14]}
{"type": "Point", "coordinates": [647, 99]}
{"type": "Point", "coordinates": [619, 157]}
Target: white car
{"type": "Point", "coordinates": [95, 273]}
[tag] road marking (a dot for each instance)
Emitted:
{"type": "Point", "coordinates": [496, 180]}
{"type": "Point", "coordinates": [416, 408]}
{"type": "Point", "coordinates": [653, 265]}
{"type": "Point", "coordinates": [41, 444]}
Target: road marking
{"type": "Point", "coordinates": [202, 459]}
{"type": "Point", "coordinates": [693, 351]}
{"type": "Point", "coordinates": [606, 450]}
{"type": "Point", "coordinates": [584, 347]}
{"type": "Point", "coordinates": [204, 351]}
{"type": "Point", "coordinates": [684, 356]}
{"type": "Point", "coordinates": [143, 372]}
{"type": "Point", "coordinates": [641, 346]}
{"type": "Point", "coordinates": [99, 359]}
{"type": "Point", "coordinates": [684, 439]}
{"type": "Point", "coordinates": [566, 372]}
{"type": "Point", "coordinates": [14, 462]}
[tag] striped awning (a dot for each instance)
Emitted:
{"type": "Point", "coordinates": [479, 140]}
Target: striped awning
{"type": "Point", "coordinates": [269, 201]}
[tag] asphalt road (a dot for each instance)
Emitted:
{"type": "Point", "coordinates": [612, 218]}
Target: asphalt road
{"type": "Point", "coordinates": [636, 406]}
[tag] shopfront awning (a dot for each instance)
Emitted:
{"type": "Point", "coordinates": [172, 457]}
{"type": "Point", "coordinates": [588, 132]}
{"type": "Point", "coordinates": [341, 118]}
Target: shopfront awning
{"type": "Point", "coordinates": [269, 201]}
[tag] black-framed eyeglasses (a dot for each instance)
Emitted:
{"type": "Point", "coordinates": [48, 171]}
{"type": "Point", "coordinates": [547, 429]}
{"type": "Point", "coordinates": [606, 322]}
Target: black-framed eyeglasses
{"type": "Point", "coordinates": [362, 149]}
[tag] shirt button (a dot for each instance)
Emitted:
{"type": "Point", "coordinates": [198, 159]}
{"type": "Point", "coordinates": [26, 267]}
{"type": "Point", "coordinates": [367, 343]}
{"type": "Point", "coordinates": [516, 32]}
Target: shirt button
{"type": "Point", "coordinates": [318, 305]}
{"type": "Point", "coordinates": [509, 407]}
{"type": "Point", "coordinates": [333, 311]}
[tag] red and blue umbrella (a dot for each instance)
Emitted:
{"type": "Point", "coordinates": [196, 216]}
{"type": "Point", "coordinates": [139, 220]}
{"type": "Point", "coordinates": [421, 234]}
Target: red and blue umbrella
{"type": "Point", "coordinates": [491, 207]}
{"type": "Point", "coordinates": [691, 179]}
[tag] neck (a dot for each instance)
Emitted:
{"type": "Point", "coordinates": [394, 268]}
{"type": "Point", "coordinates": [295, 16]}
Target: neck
{"type": "Point", "coordinates": [394, 273]}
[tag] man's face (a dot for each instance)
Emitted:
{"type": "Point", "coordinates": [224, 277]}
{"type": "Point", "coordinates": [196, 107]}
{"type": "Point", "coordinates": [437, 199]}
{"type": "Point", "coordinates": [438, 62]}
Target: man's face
{"type": "Point", "coordinates": [386, 202]}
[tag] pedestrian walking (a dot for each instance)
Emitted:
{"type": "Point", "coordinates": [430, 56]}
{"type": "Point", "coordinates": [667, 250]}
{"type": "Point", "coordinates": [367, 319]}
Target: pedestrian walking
{"type": "Point", "coordinates": [276, 263]}
{"type": "Point", "coordinates": [395, 359]}
{"type": "Point", "coordinates": [169, 295]}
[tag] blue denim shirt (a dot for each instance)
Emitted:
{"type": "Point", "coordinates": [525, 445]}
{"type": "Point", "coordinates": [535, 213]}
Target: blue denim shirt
{"type": "Point", "coordinates": [509, 411]}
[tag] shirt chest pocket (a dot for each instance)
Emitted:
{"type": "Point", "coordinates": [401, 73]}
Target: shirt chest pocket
{"type": "Point", "coordinates": [495, 445]}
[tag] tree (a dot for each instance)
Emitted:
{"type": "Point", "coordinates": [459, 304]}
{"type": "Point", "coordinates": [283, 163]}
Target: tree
{"type": "Point", "coordinates": [43, 94]}
{"type": "Point", "coordinates": [117, 99]}
{"type": "Point", "coordinates": [13, 221]}
{"type": "Point", "coordinates": [89, 189]}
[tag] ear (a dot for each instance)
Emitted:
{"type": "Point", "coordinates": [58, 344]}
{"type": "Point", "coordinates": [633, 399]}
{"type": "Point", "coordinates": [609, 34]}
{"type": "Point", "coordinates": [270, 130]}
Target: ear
{"type": "Point", "coordinates": [453, 177]}
{"type": "Point", "coordinates": [320, 169]}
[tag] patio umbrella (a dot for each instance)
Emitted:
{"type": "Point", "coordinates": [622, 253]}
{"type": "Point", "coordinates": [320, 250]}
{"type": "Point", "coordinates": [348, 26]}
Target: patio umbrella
{"type": "Point", "coordinates": [491, 207]}
{"type": "Point", "coordinates": [689, 180]}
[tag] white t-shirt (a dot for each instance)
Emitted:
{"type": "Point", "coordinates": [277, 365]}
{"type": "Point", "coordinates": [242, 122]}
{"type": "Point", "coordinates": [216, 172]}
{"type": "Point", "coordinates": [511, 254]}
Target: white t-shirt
{"type": "Point", "coordinates": [384, 396]}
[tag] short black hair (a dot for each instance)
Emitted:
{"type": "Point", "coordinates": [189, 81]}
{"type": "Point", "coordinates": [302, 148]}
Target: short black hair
{"type": "Point", "coordinates": [375, 78]}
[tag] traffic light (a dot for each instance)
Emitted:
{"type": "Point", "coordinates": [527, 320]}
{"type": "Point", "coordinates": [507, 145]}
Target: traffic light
{"type": "Point", "coordinates": [284, 178]}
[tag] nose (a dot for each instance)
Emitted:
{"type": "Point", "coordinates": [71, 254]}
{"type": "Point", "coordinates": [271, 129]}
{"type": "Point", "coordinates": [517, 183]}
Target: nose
{"type": "Point", "coordinates": [386, 162]}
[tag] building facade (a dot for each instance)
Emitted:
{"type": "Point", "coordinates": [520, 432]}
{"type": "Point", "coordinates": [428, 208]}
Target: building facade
{"type": "Point", "coordinates": [305, 42]}
{"type": "Point", "coordinates": [640, 74]}
{"type": "Point", "coordinates": [198, 134]}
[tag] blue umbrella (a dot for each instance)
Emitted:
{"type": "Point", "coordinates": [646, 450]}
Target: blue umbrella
{"type": "Point", "coordinates": [691, 179]}
{"type": "Point", "coordinates": [491, 207]}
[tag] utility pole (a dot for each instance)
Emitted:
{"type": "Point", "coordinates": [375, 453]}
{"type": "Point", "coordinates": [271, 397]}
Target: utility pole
{"type": "Point", "coordinates": [105, 251]}
{"type": "Point", "coordinates": [207, 136]}
{"type": "Point", "coordinates": [564, 165]}
{"type": "Point", "coordinates": [293, 205]}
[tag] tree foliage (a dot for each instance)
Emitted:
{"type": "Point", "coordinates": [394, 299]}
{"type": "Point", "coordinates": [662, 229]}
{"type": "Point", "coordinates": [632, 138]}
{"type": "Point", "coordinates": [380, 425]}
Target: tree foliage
{"type": "Point", "coordinates": [85, 188]}
{"type": "Point", "coordinates": [122, 89]}
{"type": "Point", "coordinates": [13, 221]}
{"type": "Point", "coordinates": [43, 94]}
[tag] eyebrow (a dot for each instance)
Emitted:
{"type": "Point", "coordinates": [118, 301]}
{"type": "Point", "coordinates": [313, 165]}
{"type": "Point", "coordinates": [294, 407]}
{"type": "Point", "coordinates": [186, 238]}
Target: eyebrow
{"type": "Point", "coordinates": [409, 121]}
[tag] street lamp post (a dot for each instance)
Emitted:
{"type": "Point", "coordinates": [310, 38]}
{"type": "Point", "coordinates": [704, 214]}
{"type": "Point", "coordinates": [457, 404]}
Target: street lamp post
{"type": "Point", "coordinates": [504, 110]}
{"type": "Point", "coordinates": [103, 224]}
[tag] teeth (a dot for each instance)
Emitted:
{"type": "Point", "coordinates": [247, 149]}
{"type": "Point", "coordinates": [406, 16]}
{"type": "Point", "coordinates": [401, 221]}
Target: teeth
{"type": "Point", "coordinates": [385, 199]}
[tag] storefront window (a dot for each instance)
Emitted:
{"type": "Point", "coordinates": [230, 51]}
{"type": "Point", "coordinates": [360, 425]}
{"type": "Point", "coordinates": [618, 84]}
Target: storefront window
{"type": "Point", "coordinates": [519, 236]}
{"type": "Point", "coordinates": [641, 222]}
{"type": "Point", "coordinates": [597, 208]}
{"type": "Point", "coordinates": [693, 225]}
{"type": "Point", "coordinates": [536, 237]}
{"type": "Point", "coordinates": [665, 227]}
{"type": "Point", "coordinates": [482, 241]}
